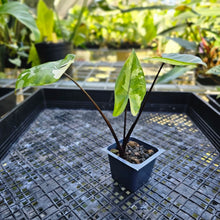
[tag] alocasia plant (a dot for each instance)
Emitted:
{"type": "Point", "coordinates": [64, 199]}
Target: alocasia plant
{"type": "Point", "coordinates": [130, 85]}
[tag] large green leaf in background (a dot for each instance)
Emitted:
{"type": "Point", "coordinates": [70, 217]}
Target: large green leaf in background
{"type": "Point", "coordinates": [181, 61]}
{"type": "Point", "coordinates": [184, 43]}
{"type": "Point", "coordinates": [131, 85]}
{"type": "Point", "coordinates": [174, 73]}
{"type": "Point", "coordinates": [178, 59]}
{"type": "Point", "coordinates": [45, 21]}
{"type": "Point", "coordinates": [43, 74]}
{"type": "Point", "coordinates": [150, 28]}
{"type": "Point", "coordinates": [21, 13]}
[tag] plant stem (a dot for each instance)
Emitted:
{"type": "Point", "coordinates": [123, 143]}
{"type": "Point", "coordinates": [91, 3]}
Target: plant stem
{"type": "Point", "coordinates": [141, 109]}
{"type": "Point", "coordinates": [125, 120]}
{"type": "Point", "coordinates": [102, 114]}
{"type": "Point", "coordinates": [59, 25]}
{"type": "Point", "coordinates": [73, 34]}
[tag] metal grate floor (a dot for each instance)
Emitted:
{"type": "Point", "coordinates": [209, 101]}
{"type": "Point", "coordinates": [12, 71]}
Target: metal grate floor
{"type": "Point", "coordinates": [57, 170]}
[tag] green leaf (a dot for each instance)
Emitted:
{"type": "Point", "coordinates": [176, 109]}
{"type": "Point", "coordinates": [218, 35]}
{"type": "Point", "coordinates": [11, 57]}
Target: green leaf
{"type": "Point", "coordinates": [33, 57]}
{"type": "Point", "coordinates": [43, 74]}
{"type": "Point", "coordinates": [178, 59]}
{"type": "Point", "coordinates": [214, 70]}
{"type": "Point", "coordinates": [150, 28]}
{"type": "Point", "coordinates": [16, 61]}
{"type": "Point", "coordinates": [45, 21]}
{"type": "Point", "coordinates": [21, 12]}
{"type": "Point", "coordinates": [184, 43]}
{"type": "Point", "coordinates": [174, 73]}
{"type": "Point", "coordinates": [131, 85]}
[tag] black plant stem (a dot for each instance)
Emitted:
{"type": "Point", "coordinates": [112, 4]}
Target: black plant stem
{"type": "Point", "coordinates": [102, 114]}
{"type": "Point", "coordinates": [125, 120]}
{"type": "Point", "coordinates": [141, 109]}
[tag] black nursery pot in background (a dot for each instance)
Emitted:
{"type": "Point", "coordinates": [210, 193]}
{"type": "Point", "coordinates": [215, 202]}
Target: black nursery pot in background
{"type": "Point", "coordinates": [53, 51]}
{"type": "Point", "coordinates": [2, 57]}
{"type": "Point", "coordinates": [132, 176]}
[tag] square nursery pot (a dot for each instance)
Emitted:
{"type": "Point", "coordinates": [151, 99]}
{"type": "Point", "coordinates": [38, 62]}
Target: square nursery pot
{"type": "Point", "coordinates": [132, 176]}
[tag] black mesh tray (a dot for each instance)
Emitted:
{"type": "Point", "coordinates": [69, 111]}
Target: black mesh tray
{"type": "Point", "coordinates": [52, 166]}
{"type": "Point", "coordinates": [7, 100]}
{"type": "Point", "coordinates": [202, 114]}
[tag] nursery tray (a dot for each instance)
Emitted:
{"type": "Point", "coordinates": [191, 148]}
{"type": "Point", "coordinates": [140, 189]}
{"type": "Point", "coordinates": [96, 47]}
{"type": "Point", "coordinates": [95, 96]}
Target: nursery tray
{"type": "Point", "coordinates": [7, 100]}
{"type": "Point", "coordinates": [52, 165]}
{"type": "Point", "coordinates": [214, 101]}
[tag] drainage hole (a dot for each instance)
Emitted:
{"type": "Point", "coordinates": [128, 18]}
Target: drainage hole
{"type": "Point", "coordinates": [40, 209]}
{"type": "Point", "coordinates": [214, 202]}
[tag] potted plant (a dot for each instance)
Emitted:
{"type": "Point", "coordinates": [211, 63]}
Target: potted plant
{"type": "Point", "coordinates": [130, 85]}
{"type": "Point", "coordinates": [17, 24]}
{"type": "Point", "coordinates": [54, 42]}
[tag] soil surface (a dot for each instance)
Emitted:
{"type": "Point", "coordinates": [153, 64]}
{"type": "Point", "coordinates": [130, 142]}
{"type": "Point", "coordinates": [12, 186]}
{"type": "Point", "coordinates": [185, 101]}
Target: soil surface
{"type": "Point", "coordinates": [135, 153]}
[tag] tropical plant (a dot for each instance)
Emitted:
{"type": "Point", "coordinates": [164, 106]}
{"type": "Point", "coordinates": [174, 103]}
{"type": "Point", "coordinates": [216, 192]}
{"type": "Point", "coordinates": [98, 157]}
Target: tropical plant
{"type": "Point", "coordinates": [104, 25]}
{"type": "Point", "coordinates": [196, 29]}
{"type": "Point", "coordinates": [52, 28]}
{"type": "Point", "coordinates": [16, 23]}
{"type": "Point", "coordinates": [54, 33]}
{"type": "Point", "coordinates": [130, 85]}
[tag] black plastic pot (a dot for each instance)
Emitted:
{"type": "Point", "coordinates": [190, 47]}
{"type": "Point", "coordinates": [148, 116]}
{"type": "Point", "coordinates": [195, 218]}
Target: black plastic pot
{"type": "Point", "coordinates": [53, 51]}
{"type": "Point", "coordinates": [132, 176]}
{"type": "Point", "coordinates": [2, 57]}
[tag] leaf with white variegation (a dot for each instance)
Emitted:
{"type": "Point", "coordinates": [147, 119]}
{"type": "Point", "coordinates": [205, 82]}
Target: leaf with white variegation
{"type": "Point", "coordinates": [130, 85]}
{"type": "Point", "coordinates": [44, 74]}
{"type": "Point", "coordinates": [178, 59]}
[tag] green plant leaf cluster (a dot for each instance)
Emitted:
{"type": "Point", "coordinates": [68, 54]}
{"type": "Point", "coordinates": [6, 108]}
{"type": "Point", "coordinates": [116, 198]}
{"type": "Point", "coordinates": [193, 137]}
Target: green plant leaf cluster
{"type": "Point", "coordinates": [21, 13]}
{"type": "Point", "coordinates": [195, 27]}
